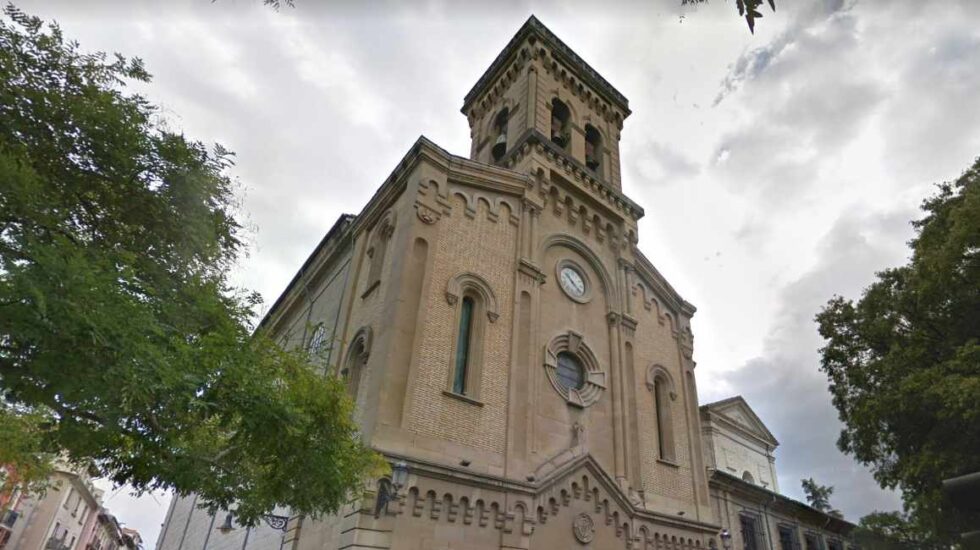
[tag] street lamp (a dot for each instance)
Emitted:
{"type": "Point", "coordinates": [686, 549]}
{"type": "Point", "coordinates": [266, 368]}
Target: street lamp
{"type": "Point", "coordinates": [399, 475]}
{"type": "Point", "coordinates": [388, 488]}
{"type": "Point", "coordinates": [276, 522]}
{"type": "Point", "coordinates": [726, 539]}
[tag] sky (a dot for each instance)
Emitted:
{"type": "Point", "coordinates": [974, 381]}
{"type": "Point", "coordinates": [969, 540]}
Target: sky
{"type": "Point", "coordinates": [776, 169]}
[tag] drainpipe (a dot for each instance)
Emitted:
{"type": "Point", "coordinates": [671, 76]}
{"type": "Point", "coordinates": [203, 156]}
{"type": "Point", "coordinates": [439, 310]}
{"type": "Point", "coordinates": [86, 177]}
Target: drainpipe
{"type": "Point", "coordinates": [765, 514]}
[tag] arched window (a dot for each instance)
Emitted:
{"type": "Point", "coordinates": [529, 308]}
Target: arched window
{"type": "Point", "coordinates": [318, 341]}
{"type": "Point", "coordinates": [593, 148]}
{"type": "Point", "coordinates": [356, 361]}
{"type": "Point", "coordinates": [661, 385]}
{"type": "Point", "coordinates": [500, 129]}
{"type": "Point", "coordinates": [464, 338]}
{"type": "Point", "coordinates": [560, 116]}
{"type": "Point", "coordinates": [475, 306]}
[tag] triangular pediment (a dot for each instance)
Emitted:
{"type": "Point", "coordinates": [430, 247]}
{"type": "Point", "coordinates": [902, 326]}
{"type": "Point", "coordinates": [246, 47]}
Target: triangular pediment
{"type": "Point", "coordinates": [737, 412]}
{"type": "Point", "coordinates": [584, 474]}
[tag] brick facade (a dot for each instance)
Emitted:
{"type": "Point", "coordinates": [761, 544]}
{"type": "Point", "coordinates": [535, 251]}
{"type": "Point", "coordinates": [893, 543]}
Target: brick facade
{"type": "Point", "coordinates": [519, 461]}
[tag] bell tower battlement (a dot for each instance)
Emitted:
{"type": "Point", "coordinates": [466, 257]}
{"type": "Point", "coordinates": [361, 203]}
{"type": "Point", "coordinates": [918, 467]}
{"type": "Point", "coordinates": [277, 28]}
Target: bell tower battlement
{"type": "Point", "coordinates": [539, 99]}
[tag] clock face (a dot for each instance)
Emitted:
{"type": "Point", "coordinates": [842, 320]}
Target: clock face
{"type": "Point", "coordinates": [572, 281]}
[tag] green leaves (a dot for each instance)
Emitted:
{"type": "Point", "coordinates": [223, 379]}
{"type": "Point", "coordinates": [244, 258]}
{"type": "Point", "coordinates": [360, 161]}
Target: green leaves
{"type": "Point", "coordinates": [903, 361]}
{"type": "Point", "coordinates": [117, 324]}
{"type": "Point", "coordinates": [817, 495]}
{"type": "Point", "coordinates": [749, 9]}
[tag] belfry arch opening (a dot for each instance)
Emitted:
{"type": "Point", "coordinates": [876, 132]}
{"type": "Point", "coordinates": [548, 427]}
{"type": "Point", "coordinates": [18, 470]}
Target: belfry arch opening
{"type": "Point", "coordinates": [500, 130]}
{"type": "Point", "coordinates": [593, 148]}
{"type": "Point", "coordinates": [560, 117]}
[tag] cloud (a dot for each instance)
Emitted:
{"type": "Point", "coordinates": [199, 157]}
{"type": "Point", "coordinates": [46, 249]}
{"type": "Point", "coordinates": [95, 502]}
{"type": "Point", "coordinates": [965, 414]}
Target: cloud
{"type": "Point", "coordinates": [658, 163]}
{"type": "Point", "coordinates": [784, 384]}
{"type": "Point", "coordinates": [804, 98]}
{"type": "Point", "coordinates": [827, 128]}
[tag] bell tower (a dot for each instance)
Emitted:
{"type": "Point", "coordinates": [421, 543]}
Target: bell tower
{"type": "Point", "coordinates": [539, 105]}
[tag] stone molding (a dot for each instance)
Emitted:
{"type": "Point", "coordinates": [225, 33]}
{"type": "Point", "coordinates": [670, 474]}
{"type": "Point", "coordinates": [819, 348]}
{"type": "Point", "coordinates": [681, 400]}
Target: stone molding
{"type": "Point", "coordinates": [459, 284]}
{"type": "Point", "coordinates": [658, 371]}
{"type": "Point", "coordinates": [511, 507]}
{"type": "Point", "coordinates": [595, 377]}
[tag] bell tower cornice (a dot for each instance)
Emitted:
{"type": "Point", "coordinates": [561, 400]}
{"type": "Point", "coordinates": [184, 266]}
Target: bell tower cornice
{"type": "Point", "coordinates": [558, 50]}
{"type": "Point", "coordinates": [537, 86]}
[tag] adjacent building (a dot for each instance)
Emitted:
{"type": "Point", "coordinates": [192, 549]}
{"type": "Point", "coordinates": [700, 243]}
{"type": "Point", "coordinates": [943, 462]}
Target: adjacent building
{"type": "Point", "coordinates": [68, 516]}
{"type": "Point", "coordinates": [744, 490]}
{"type": "Point", "coordinates": [508, 343]}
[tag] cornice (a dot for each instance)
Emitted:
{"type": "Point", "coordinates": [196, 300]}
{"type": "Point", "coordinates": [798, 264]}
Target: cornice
{"type": "Point", "coordinates": [561, 52]}
{"type": "Point", "coordinates": [658, 283]}
{"type": "Point", "coordinates": [555, 478]}
{"type": "Point", "coordinates": [742, 430]}
{"type": "Point", "coordinates": [712, 408]}
{"type": "Point", "coordinates": [606, 194]}
{"type": "Point", "coordinates": [327, 248]}
{"type": "Point", "coordinates": [349, 225]}
{"type": "Point", "coordinates": [750, 491]}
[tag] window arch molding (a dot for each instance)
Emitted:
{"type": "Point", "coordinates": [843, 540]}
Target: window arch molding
{"type": "Point", "coordinates": [655, 372]}
{"type": "Point", "coordinates": [471, 282]}
{"type": "Point", "coordinates": [587, 254]}
{"type": "Point", "coordinates": [377, 249]}
{"type": "Point", "coordinates": [573, 115]}
{"type": "Point", "coordinates": [355, 359]}
{"type": "Point", "coordinates": [594, 377]}
{"type": "Point", "coordinates": [492, 112]}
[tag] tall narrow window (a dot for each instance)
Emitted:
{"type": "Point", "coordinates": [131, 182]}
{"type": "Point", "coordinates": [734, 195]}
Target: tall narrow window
{"type": "Point", "coordinates": [356, 361]}
{"type": "Point", "coordinates": [787, 538]}
{"type": "Point", "coordinates": [353, 373]}
{"type": "Point", "coordinates": [463, 345]}
{"type": "Point", "coordinates": [750, 533]}
{"type": "Point", "coordinates": [560, 116]}
{"type": "Point", "coordinates": [661, 386]}
{"type": "Point", "coordinates": [500, 129]}
{"type": "Point", "coordinates": [658, 390]}
{"type": "Point", "coordinates": [593, 148]}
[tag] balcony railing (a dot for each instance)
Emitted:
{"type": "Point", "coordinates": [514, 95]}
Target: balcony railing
{"type": "Point", "coordinates": [9, 518]}
{"type": "Point", "coordinates": [55, 544]}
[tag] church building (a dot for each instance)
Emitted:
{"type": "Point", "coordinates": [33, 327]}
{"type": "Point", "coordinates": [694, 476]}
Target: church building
{"type": "Point", "coordinates": [515, 356]}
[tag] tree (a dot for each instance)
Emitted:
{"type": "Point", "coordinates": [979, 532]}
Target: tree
{"type": "Point", "coordinates": [893, 531]}
{"type": "Point", "coordinates": [904, 361]}
{"type": "Point", "coordinates": [21, 466]}
{"type": "Point", "coordinates": [749, 9]}
{"type": "Point", "coordinates": [121, 341]}
{"type": "Point", "coordinates": [818, 496]}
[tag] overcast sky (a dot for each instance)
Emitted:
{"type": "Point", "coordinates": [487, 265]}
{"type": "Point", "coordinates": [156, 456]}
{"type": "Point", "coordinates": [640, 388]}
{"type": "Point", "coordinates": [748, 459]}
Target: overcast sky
{"type": "Point", "coordinates": [776, 170]}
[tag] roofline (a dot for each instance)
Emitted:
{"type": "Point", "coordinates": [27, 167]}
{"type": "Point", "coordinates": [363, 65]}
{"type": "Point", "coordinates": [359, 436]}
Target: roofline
{"type": "Point", "coordinates": [351, 222]}
{"type": "Point", "coordinates": [728, 478]}
{"type": "Point", "coordinates": [708, 407]}
{"type": "Point", "coordinates": [341, 223]}
{"type": "Point", "coordinates": [586, 72]}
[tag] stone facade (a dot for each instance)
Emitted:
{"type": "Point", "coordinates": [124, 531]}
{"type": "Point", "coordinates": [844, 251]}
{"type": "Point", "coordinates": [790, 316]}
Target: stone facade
{"type": "Point", "coordinates": [512, 458]}
{"type": "Point", "coordinates": [504, 337]}
{"type": "Point", "coordinates": [738, 443]}
{"type": "Point", "coordinates": [744, 490]}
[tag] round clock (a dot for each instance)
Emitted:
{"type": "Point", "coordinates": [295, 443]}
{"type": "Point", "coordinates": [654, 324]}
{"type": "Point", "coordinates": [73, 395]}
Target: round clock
{"type": "Point", "coordinates": [572, 281]}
